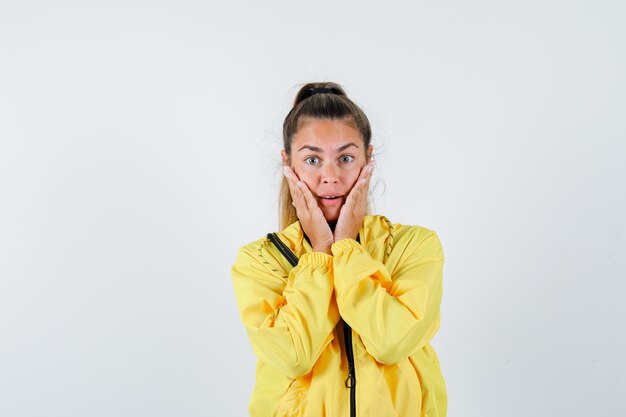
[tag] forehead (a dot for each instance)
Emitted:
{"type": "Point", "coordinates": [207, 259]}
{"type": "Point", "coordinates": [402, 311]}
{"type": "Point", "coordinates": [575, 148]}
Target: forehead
{"type": "Point", "coordinates": [327, 134]}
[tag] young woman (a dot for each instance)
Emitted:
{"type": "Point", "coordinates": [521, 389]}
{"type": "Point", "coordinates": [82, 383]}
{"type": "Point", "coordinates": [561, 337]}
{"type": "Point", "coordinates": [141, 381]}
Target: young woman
{"type": "Point", "coordinates": [346, 331]}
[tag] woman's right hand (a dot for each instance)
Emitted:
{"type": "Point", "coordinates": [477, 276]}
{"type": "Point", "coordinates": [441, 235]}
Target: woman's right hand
{"type": "Point", "coordinates": [310, 215]}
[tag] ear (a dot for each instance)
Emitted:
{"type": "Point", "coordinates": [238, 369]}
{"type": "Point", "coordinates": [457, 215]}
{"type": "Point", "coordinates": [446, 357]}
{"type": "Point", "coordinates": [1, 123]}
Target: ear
{"type": "Point", "coordinates": [370, 152]}
{"type": "Point", "coordinates": [284, 156]}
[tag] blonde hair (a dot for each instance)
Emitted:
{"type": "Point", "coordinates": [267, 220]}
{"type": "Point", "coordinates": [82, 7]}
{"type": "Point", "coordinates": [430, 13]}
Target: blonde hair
{"type": "Point", "coordinates": [319, 100]}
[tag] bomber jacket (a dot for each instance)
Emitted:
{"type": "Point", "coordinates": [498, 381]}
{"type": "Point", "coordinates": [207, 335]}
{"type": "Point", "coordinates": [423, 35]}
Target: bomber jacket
{"type": "Point", "coordinates": [346, 334]}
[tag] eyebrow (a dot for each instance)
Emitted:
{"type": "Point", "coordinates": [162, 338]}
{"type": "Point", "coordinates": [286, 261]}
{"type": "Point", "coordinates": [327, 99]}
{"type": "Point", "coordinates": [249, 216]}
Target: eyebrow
{"type": "Point", "coordinates": [316, 149]}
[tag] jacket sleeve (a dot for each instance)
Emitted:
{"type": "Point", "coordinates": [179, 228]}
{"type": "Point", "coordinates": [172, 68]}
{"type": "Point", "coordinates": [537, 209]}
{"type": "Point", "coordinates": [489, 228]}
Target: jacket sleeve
{"type": "Point", "coordinates": [394, 315]}
{"type": "Point", "coordinates": [289, 322]}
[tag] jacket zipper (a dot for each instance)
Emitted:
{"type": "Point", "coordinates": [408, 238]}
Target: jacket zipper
{"type": "Point", "coordinates": [351, 380]}
{"type": "Point", "coordinates": [283, 249]}
{"type": "Point", "coordinates": [347, 330]}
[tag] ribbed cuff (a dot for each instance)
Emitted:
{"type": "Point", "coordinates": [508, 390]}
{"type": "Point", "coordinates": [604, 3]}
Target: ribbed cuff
{"type": "Point", "coordinates": [345, 245]}
{"type": "Point", "coordinates": [317, 258]}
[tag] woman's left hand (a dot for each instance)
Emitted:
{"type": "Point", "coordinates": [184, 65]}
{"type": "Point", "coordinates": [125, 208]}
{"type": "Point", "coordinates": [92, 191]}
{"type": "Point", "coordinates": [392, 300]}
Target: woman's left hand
{"type": "Point", "coordinates": [353, 211]}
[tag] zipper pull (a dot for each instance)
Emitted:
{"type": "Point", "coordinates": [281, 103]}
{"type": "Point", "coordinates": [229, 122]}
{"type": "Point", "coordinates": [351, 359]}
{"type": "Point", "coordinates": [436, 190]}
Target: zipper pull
{"type": "Point", "coordinates": [350, 379]}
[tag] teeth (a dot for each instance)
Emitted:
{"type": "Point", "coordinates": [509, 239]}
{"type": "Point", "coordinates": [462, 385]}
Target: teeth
{"type": "Point", "coordinates": [330, 197]}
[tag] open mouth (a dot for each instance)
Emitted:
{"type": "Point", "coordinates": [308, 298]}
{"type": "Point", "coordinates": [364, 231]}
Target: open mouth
{"type": "Point", "coordinates": [330, 200]}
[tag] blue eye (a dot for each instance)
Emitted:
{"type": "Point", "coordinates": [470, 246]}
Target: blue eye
{"type": "Point", "coordinates": [312, 160]}
{"type": "Point", "coordinates": [347, 158]}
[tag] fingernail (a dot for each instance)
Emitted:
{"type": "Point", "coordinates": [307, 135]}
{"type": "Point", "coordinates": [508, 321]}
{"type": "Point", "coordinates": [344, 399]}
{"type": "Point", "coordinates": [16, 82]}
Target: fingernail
{"type": "Point", "coordinates": [285, 171]}
{"type": "Point", "coordinates": [300, 184]}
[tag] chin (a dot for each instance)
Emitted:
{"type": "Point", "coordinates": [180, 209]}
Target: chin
{"type": "Point", "coordinates": [331, 214]}
{"type": "Point", "coordinates": [331, 217]}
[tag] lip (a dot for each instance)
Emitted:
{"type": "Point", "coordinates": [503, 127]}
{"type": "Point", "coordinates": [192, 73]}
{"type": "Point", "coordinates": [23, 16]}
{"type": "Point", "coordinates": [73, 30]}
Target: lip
{"type": "Point", "coordinates": [329, 195]}
{"type": "Point", "coordinates": [330, 202]}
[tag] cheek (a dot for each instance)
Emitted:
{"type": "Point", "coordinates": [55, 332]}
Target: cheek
{"type": "Point", "coordinates": [350, 176]}
{"type": "Point", "coordinates": [305, 175]}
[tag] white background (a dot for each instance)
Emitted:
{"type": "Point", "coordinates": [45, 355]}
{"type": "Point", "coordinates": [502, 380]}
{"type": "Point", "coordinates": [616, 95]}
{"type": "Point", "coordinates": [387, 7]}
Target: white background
{"type": "Point", "coordinates": [139, 148]}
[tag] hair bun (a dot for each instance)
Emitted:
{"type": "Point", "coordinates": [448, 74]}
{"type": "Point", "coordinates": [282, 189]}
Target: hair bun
{"type": "Point", "coordinates": [312, 89]}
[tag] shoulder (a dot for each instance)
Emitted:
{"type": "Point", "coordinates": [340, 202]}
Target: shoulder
{"type": "Point", "coordinates": [250, 254]}
{"type": "Point", "coordinates": [290, 236]}
{"type": "Point", "coordinates": [254, 259]}
{"type": "Point", "coordinates": [252, 249]}
{"type": "Point", "coordinates": [262, 256]}
{"type": "Point", "coordinates": [403, 237]}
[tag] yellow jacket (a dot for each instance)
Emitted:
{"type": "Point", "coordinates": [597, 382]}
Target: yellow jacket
{"type": "Point", "coordinates": [387, 288]}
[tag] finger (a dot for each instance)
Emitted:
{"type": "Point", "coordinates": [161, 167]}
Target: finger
{"type": "Point", "coordinates": [362, 181]}
{"type": "Point", "coordinates": [296, 199]}
{"type": "Point", "coordinates": [353, 197]}
{"type": "Point", "coordinates": [311, 202]}
{"type": "Point", "coordinates": [290, 173]}
{"type": "Point", "coordinates": [366, 173]}
{"type": "Point", "coordinates": [302, 192]}
{"type": "Point", "coordinates": [358, 195]}
{"type": "Point", "coordinates": [294, 189]}
{"type": "Point", "coordinates": [365, 181]}
{"type": "Point", "coordinates": [366, 185]}
{"type": "Point", "coordinates": [358, 186]}
{"type": "Point", "coordinates": [291, 176]}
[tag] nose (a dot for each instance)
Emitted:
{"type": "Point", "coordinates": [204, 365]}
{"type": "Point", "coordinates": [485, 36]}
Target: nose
{"type": "Point", "coordinates": [329, 174]}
